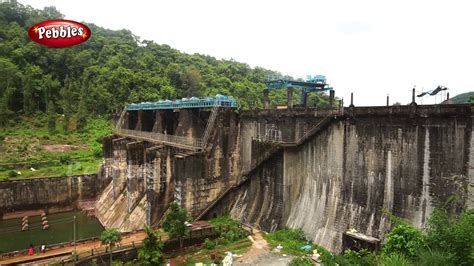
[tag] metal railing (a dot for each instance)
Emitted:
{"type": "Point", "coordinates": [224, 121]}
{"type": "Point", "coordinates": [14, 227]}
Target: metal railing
{"type": "Point", "coordinates": [172, 140]}
{"type": "Point", "coordinates": [210, 125]}
{"type": "Point", "coordinates": [277, 138]}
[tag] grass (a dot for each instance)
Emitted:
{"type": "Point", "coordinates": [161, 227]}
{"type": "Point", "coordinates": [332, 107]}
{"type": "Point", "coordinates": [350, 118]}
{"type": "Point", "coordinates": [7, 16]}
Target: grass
{"type": "Point", "coordinates": [27, 143]}
{"type": "Point", "coordinates": [290, 239]}
{"type": "Point", "coordinates": [204, 255]}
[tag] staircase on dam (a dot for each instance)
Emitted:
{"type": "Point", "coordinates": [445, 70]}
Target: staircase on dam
{"type": "Point", "coordinates": [278, 144]}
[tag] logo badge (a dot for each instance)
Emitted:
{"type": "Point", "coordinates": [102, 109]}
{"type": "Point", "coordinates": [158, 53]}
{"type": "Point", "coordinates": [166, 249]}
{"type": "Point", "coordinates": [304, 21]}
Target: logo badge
{"type": "Point", "coordinates": [59, 33]}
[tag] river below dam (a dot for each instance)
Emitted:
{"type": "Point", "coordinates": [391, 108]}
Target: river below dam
{"type": "Point", "coordinates": [61, 229]}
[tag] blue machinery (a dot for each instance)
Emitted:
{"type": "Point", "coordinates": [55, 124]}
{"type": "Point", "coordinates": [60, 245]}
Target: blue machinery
{"type": "Point", "coordinates": [193, 102]}
{"type": "Point", "coordinates": [313, 83]}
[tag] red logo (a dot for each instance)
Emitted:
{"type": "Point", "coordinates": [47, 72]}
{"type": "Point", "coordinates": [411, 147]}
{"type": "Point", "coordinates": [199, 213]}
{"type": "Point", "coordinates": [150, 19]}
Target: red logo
{"type": "Point", "coordinates": [59, 33]}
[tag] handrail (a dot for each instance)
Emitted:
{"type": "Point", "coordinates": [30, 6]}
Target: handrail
{"type": "Point", "coordinates": [237, 184]}
{"type": "Point", "coordinates": [120, 121]}
{"type": "Point", "coordinates": [298, 141]}
{"type": "Point", "coordinates": [262, 159]}
{"type": "Point", "coordinates": [180, 141]}
{"type": "Point", "coordinates": [173, 140]}
{"type": "Point", "coordinates": [209, 126]}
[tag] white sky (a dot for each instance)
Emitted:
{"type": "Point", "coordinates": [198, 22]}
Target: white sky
{"type": "Point", "coordinates": [371, 48]}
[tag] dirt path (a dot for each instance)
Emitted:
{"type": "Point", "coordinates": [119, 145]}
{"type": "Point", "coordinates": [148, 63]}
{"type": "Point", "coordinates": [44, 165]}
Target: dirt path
{"type": "Point", "coordinates": [85, 247]}
{"type": "Point", "coordinates": [259, 248]}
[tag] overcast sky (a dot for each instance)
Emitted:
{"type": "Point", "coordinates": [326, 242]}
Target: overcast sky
{"type": "Point", "coordinates": [371, 48]}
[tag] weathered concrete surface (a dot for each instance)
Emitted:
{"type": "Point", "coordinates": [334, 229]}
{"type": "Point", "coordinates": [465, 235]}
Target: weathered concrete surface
{"type": "Point", "coordinates": [259, 200]}
{"type": "Point", "coordinates": [405, 160]}
{"type": "Point", "coordinates": [200, 178]}
{"type": "Point", "coordinates": [356, 170]}
{"type": "Point", "coordinates": [153, 175]}
{"type": "Point", "coordinates": [30, 194]}
{"type": "Point", "coordinates": [122, 204]}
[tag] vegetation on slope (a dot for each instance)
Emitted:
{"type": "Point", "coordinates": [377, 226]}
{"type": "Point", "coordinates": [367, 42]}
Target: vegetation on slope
{"type": "Point", "coordinates": [466, 97]}
{"type": "Point", "coordinates": [64, 96]}
{"type": "Point", "coordinates": [109, 70]}
{"type": "Point", "coordinates": [448, 239]}
{"type": "Point", "coordinates": [29, 149]}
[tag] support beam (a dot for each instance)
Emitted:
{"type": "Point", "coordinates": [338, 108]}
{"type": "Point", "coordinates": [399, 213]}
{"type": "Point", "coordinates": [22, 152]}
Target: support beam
{"type": "Point", "coordinates": [289, 103]}
{"type": "Point", "coordinates": [331, 98]}
{"type": "Point", "coordinates": [266, 100]}
{"type": "Point", "coordinates": [352, 100]}
{"type": "Point", "coordinates": [304, 99]}
{"type": "Point", "coordinates": [139, 121]}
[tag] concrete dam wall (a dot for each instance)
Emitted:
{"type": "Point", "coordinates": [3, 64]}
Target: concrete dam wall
{"type": "Point", "coordinates": [32, 194]}
{"type": "Point", "coordinates": [345, 175]}
{"type": "Point", "coordinates": [323, 170]}
{"type": "Point", "coordinates": [147, 176]}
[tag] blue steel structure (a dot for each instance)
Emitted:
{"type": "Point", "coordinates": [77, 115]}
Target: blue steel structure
{"type": "Point", "coordinates": [193, 102]}
{"type": "Point", "coordinates": [313, 83]}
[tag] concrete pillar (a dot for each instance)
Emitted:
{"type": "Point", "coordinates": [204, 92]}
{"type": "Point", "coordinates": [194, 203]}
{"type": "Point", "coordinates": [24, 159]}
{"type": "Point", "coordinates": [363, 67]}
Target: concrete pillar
{"type": "Point", "coordinates": [352, 100]}
{"type": "Point", "coordinates": [413, 95]}
{"type": "Point", "coordinates": [139, 120]}
{"type": "Point", "coordinates": [126, 121]}
{"type": "Point", "coordinates": [289, 94]}
{"type": "Point", "coordinates": [304, 94]}
{"type": "Point", "coordinates": [331, 98]}
{"type": "Point", "coordinates": [388, 102]}
{"type": "Point", "coordinates": [266, 100]}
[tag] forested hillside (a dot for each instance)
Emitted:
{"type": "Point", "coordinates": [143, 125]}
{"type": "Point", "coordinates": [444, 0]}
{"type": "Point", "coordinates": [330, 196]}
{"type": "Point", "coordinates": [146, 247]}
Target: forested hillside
{"type": "Point", "coordinates": [466, 97]}
{"type": "Point", "coordinates": [110, 69]}
{"type": "Point", "coordinates": [55, 103]}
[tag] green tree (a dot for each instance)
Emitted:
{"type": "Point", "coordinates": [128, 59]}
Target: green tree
{"type": "Point", "coordinates": [452, 234]}
{"type": "Point", "coordinates": [66, 102]}
{"type": "Point", "coordinates": [191, 81]}
{"type": "Point", "coordinates": [51, 117]}
{"type": "Point", "coordinates": [82, 115]}
{"type": "Point", "coordinates": [4, 112]}
{"type": "Point", "coordinates": [174, 222]}
{"type": "Point", "coordinates": [110, 237]}
{"type": "Point", "coordinates": [151, 251]}
{"type": "Point", "coordinates": [403, 239]}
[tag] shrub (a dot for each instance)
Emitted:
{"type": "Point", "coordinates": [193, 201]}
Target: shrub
{"type": "Point", "coordinates": [453, 235]}
{"type": "Point", "coordinates": [12, 174]}
{"type": "Point", "coordinates": [301, 261]}
{"type": "Point", "coordinates": [229, 229]}
{"type": "Point", "coordinates": [395, 259]}
{"type": "Point", "coordinates": [97, 151]}
{"type": "Point", "coordinates": [291, 239]}
{"type": "Point", "coordinates": [362, 258]}
{"type": "Point", "coordinates": [403, 239]}
{"type": "Point", "coordinates": [327, 258]}
{"type": "Point", "coordinates": [65, 159]}
{"type": "Point", "coordinates": [434, 258]}
{"type": "Point", "coordinates": [21, 148]}
{"type": "Point", "coordinates": [209, 244]}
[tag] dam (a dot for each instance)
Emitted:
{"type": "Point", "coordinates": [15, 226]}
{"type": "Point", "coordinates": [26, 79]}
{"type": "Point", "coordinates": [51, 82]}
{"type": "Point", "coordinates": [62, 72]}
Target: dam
{"type": "Point", "coordinates": [325, 170]}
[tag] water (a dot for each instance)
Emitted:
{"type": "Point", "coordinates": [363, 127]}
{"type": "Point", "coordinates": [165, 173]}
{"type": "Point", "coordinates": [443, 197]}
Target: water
{"type": "Point", "coordinates": [60, 230]}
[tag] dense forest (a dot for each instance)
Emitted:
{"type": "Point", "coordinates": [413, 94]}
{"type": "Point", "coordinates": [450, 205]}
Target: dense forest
{"type": "Point", "coordinates": [110, 69]}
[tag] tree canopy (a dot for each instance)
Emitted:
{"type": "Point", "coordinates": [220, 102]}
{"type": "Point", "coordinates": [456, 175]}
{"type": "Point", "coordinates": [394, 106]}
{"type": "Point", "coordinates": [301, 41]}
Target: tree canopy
{"type": "Point", "coordinates": [112, 68]}
{"type": "Point", "coordinates": [174, 222]}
